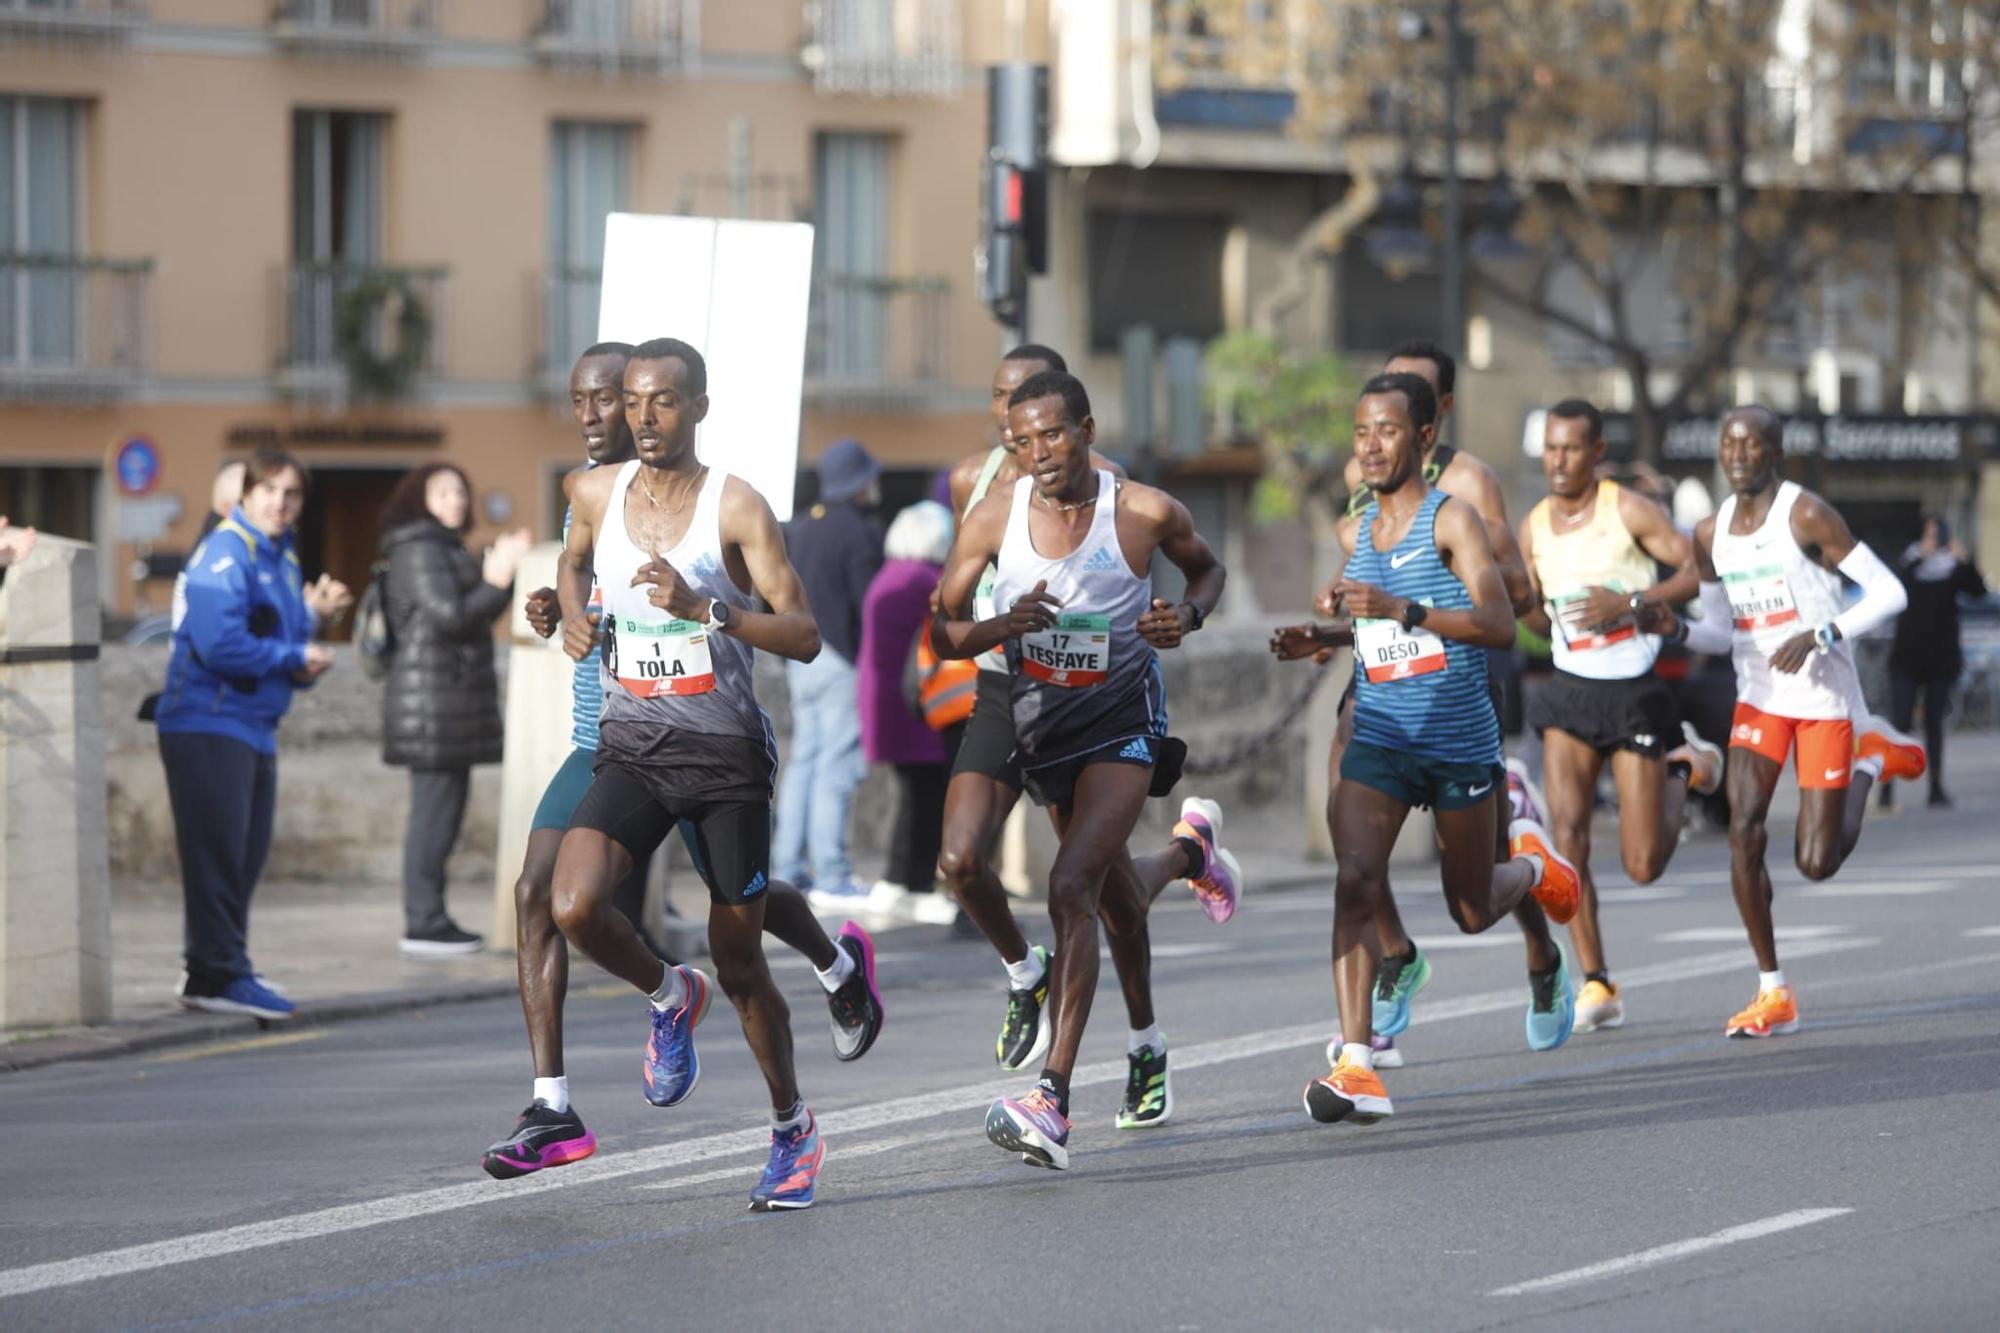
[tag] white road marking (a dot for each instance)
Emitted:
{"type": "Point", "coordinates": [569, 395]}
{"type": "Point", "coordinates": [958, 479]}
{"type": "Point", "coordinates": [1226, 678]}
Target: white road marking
{"type": "Point", "coordinates": [1872, 888]}
{"type": "Point", "coordinates": [742, 1143]}
{"type": "Point", "coordinates": [1784, 878]}
{"type": "Point", "coordinates": [844, 1155]}
{"type": "Point", "coordinates": [1982, 932]}
{"type": "Point", "coordinates": [1641, 893]}
{"type": "Point", "coordinates": [1725, 934]}
{"type": "Point", "coordinates": [1492, 939]}
{"type": "Point", "coordinates": [1680, 1249]}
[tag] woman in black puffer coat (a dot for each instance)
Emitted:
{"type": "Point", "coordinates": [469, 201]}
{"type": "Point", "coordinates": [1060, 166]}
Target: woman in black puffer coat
{"type": "Point", "coordinates": [441, 702]}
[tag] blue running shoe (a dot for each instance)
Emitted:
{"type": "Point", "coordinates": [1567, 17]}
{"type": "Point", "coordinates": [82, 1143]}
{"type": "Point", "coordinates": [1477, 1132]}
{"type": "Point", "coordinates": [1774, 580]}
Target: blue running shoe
{"type": "Point", "coordinates": [1395, 986]}
{"type": "Point", "coordinates": [240, 995]}
{"type": "Point", "coordinates": [1551, 1008]}
{"type": "Point", "coordinates": [672, 1067]}
{"type": "Point", "coordinates": [1033, 1126]}
{"type": "Point", "coordinates": [793, 1170]}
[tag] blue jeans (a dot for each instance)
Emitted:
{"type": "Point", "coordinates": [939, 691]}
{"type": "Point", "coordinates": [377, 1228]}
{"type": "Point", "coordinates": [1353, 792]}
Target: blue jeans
{"type": "Point", "coordinates": [816, 789]}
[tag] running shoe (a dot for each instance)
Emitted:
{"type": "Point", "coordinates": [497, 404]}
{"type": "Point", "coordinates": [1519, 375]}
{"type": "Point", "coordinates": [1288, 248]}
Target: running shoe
{"type": "Point", "coordinates": [1598, 1006]}
{"type": "Point", "coordinates": [1703, 758]}
{"type": "Point", "coordinates": [792, 1172]}
{"type": "Point", "coordinates": [1026, 1034]}
{"type": "Point", "coordinates": [672, 1068]}
{"type": "Point", "coordinates": [1350, 1092]}
{"type": "Point", "coordinates": [857, 1005]}
{"type": "Point", "coordinates": [1386, 1054]}
{"type": "Point", "coordinates": [1551, 1008]}
{"type": "Point", "coordinates": [1220, 882]}
{"type": "Point", "coordinates": [1558, 890]}
{"type": "Point", "coordinates": [1523, 796]}
{"type": "Point", "coordinates": [445, 941]}
{"type": "Point", "coordinates": [1902, 755]}
{"type": "Point", "coordinates": [542, 1137]}
{"type": "Point", "coordinates": [1397, 982]}
{"type": "Point", "coordinates": [1774, 1013]}
{"type": "Point", "coordinates": [844, 895]}
{"type": "Point", "coordinates": [1033, 1126]}
{"type": "Point", "coordinates": [1149, 1091]}
{"type": "Point", "coordinates": [240, 995]}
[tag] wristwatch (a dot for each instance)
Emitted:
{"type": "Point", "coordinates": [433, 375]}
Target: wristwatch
{"type": "Point", "coordinates": [1414, 613]}
{"type": "Point", "coordinates": [718, 615]}
{"type": "Point", "coordinates": [1195, 617]}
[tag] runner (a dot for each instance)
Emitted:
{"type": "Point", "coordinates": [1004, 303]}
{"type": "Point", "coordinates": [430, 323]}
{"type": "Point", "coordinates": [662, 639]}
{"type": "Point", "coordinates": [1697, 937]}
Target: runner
{"type": "Point", "coordinates": [1088, 707]}
{"type": "Point", "coordinates": [986, 783]}
{"type": "Point", "coordinates": [682, 555]}
{"type": "Point", "coordinates": [550, 1132]}
{"type": "Point", "coordinates": [1771, 597]}
{"type": "Point", "coordinates": [1425, 594]}
{"type": "Point", "coordinates": [1591, 548]}
{"type": "Point", "coordinates": [1405, 971]}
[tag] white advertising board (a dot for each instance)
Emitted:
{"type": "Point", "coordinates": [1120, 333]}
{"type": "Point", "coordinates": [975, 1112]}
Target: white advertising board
{"type": "Point", "coordinates": [738, 292]}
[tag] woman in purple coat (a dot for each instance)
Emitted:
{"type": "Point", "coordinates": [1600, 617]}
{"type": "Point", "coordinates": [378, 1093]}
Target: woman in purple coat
{"type": "Point", "coordinates": [896, 608]}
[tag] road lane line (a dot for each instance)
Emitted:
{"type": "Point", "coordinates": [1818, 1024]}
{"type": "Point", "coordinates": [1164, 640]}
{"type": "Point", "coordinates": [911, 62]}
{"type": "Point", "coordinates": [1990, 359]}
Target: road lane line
{"type": "Point", "coordinates": [893, 1111]}
{"type": "Point", "coordinates": [1680, 1249]}
{"type": "Point", "coordinates": [237, 1047]}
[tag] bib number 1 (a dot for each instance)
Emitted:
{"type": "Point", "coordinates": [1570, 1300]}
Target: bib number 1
{"type": "Point", "coordinates": [1760, 598]}
{"type": "Point", "coordinates": [1075, 653]}
{"type": "Point", "coordinates": [651, 658]}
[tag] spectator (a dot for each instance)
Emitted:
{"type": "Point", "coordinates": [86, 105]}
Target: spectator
{"type": "Point", "coordinates": [243, 625]}
{"type": "Point", "coordinates": [895, 610]}
{"type": "Point", "coordinates": [1926, 656]}
{"type": "Point", "coordinates": [441, 699]}
{"type": "Point", "coordinates": [836, 548]}
{"type": "Point", "coordinates": [223, 493]}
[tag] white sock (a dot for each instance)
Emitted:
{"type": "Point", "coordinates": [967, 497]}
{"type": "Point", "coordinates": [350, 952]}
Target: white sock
{"type": "Point", "coordinates": [673, 991]}
{"type": "Point", "coordinates": [1140, 1038]}
{"type": "Point", "coordinates": [1535, 864]}
{"type": "Point", "coordinates": [554, 1091]}
{"type": "Point", "coordinates": [836, 976]}
{"type": "Point", "coordinates": [1871, 764]}
{"type": "Point", "coordinates": [1026, 974]}
{"type": "Point", "coordinates": [1358, 1053]}
{"type": "Point", "coordinates": [1768, 981]}
{"type": "Point", "coordinates": [795, 1118]}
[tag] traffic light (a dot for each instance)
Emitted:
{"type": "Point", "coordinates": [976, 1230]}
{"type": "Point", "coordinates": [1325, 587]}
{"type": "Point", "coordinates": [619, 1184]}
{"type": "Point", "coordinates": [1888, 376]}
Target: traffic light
{"type": "Point", "coordinates": [1014, 203]}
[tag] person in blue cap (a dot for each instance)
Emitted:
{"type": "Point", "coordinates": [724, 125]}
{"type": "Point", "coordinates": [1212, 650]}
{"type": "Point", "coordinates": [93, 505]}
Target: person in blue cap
{"type": "Point", "coordinates": [837, 548]}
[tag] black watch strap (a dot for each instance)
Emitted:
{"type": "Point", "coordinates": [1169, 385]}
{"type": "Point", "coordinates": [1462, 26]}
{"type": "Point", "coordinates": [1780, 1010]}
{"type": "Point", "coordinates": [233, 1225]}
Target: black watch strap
{"type": "Point", "coordinates": [1414, 613]}
{"type": "Point", "coordinates": [1195, 617]}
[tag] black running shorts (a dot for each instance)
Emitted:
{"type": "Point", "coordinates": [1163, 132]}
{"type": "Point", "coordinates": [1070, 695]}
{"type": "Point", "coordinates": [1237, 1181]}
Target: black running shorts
{"type": "Point", "coordinates": [1055, 784]}
{"type": "Point", "coordinates": [730, 840]}
{"type": "Point", "coordinates": [1609, 715]}
{"type": "Point", "coordinates": [988, 747]}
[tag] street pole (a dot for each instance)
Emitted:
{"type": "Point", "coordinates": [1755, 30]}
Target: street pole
{"type": "Point", "coordinates": [1452, 315]}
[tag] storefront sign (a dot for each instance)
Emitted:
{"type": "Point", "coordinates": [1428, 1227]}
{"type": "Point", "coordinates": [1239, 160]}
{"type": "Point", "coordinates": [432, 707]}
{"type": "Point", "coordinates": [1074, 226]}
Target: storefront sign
{"type": "Point", "coordinates": [1845, 439]}
{"type": "Point", "coordinates": [310, 433]}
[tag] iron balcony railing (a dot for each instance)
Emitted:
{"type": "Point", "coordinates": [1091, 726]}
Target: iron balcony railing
{"type": "Point", "coordinates": [878, 338]}
{"type": "Point", "coordinates": [612, 35]}
{"type": "Point", "coordinates": [83, 21]}
{"type": "Point", "coordinates": [355, 27]}
{"type": "Point", "coordinates": [569, 323]}
{"type": "Point", "coordinates": [72, 326]}
{"type": "Point", "coordinates": [361, 329]}
{"type": "Point", "coordinates": [885, 48]}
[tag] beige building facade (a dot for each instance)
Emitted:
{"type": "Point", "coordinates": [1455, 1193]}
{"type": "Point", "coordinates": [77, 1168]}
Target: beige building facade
{"type": "Point", "coordinates": [369, 230]}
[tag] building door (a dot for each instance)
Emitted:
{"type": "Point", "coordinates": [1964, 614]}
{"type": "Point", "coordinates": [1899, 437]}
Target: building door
{"type": "Point", "coordinates": [340, 532]}
{"type": "Point", "coordinates": [60, 501]}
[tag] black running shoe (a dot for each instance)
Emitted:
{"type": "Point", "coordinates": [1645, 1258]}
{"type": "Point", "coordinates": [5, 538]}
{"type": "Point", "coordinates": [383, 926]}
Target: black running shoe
{"type": "Point", "coordinates": [1025, 1036]}
{"type": "Point", "coordinates": [857, 1005]}
{"type": "Point", "coordinates": [1149, 1095]}
{"type": "Point", "coordinates": [541, 1138]}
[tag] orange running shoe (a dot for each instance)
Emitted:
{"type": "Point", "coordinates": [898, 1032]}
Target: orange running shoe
{"type": "Point", "coordinates": [1773, 1013]}
{"type": "Point", "coordinates": [1902, 755]}
{"type": "Point", "coordinates": [1558, 890]}
{"type": "Point", "coordinates": [1350, 1092]}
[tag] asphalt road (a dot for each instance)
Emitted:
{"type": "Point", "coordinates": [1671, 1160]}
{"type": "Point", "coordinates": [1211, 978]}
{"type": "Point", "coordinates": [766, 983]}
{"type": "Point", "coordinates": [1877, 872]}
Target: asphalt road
{"type": "Point", "coordinates": [1653, 1177]}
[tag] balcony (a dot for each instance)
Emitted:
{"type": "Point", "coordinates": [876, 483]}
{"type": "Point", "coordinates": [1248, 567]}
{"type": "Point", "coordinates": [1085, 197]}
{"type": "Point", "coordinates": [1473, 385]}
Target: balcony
{"type": "Point", "coordinates": [1231, 65]}
{"type": "Point", "coordinates": [569, 324]}
{"type": "Point", "coordinates": [71, 329]}
{"type": "Point", "coordinates": [877, 341]}
{"type": "Point", "coordinates": [883, 48]}
{"type": "Point", "coordinates": [356, 29]}
{"type": "Point", "coordinates": [357, 330]}
{"type": "Point", "coordinates": [619, 36]}
{"type": "Point", "coordinates": [78, 22]}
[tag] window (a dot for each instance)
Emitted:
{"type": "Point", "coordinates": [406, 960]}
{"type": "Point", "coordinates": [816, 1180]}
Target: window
{"type": "Point", "coordinates": [1131, 258]}
{"type": "Point", "coordinates": [1376, 310]}
{"type": "Point", "coordinates": [851, 293]}
{"type": "Point", "coordinates": [590, 178]}
{"type": "Point", "coordinates": [41, 195]}
{"type": "Point", "coordinates": [336, 187]}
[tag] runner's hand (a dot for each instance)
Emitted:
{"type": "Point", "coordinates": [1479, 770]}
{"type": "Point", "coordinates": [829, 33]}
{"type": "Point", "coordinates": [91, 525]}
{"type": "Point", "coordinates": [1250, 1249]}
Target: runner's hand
{"type": "Point", "coordinates": [1599, 609]}
{"type": "Point", "coordinates": [1292, 642]}
{"type": "Point", "coordinates": [544, 613]}
{"type": "Point", "coordinates": [1365, 601]}
{"type": "Point", "coordinates": [580, 634]}
{"type": "Point", "coordinates": [1655, 618]}
{"type": "Point", "coordinates": [1033, 610]}
{"type": "Point", "coordinates": [1328, 601]}
{"type": "Point", "coordinates": [670, 592]}
{"type": "Point", "coordinates": [1163, 626]}
{"type": "Point", "coordinates": [1792, 653]}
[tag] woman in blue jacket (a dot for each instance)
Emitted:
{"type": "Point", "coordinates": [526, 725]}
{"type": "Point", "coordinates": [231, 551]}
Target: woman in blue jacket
{"type": "Point", "coordinates": [243, 625]}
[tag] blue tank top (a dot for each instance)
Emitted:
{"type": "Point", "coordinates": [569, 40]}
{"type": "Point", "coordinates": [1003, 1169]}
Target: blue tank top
{"type": "Point", "coordinates": [1415, 690]}
{"type": "Point", "coordinates": [586, 684]}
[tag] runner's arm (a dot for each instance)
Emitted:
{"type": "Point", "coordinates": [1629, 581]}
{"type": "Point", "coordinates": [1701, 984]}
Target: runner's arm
{"type": "Point", "coordinates": [575, 566]}
{"type": "Point", "coordinates": [1190, 553]}
{"type": "Point", "coordinates": [1653, 528]}
{"type": "Point", "coordinates": [788, 628]}
{"type": "Point", "coordinates": [1482, 491]}
{"type": "Point", "coordinates": [954, 634]}
{"type": "Point", "coordinates": [1714, 633]}
{"type": "Point", "coordinates": [1536, 617]}
{"type": "Point", "coordinates": [1883, 596]}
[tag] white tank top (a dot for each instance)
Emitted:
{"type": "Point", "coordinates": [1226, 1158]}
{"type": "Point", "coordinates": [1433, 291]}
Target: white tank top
{"type": "Point", "coordinates": [982, 596]}
{"type": "Point", "coordinates": [1774, 593]}
{"type": "Point", "coordinates": [1093, 661]}
{"type": "Point", "coordinates": [660, 671]}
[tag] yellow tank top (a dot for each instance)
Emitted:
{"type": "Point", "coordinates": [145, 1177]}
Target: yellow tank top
{"type": "Point", "coordinates": [1601, 553]}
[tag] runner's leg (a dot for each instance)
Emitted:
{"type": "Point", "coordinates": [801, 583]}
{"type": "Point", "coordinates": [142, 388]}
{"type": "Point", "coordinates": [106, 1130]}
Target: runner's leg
{"type": "Point", "coordinates": [1751, 780]}
{"type": "Point", "coordinates": [789, 918]}
{"type": "Point", "coordinates": [736, 944]}
{"type": "Point", "coordinates": [1364, 823]}
{"type": "Point", "coordinates": [1650, 804]}
{"type": "Point", "coordinates": [1389, 932]}
{"type": "Point", "coordinates": [1478, 891]}
{"type": "Point", "coordinates": [975, 806]}
{"type": "Point", "coordinates": [1569, 779]}
{"type": "Point", "coordinates": [1107, 802]}
{"type": "Point", "coordinates": [541, 955]}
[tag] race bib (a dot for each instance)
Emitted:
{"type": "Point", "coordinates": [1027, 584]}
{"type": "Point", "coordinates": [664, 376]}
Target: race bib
{"type": "Point", "coordinates": [1565, 610]}
{"type": "Point", "coordinates": [1760, 598]}
{"type": "Point", "coordinates": [651, 658]}
{"type": "Point", "coordinates": [1389, 653]}
{"type": "Point", "coordinates": [1074, 654]}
